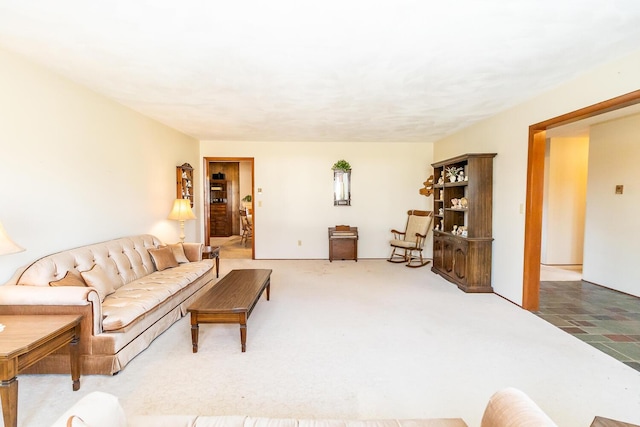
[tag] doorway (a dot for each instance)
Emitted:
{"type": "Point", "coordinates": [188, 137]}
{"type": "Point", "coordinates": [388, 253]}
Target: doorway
{"type": "Point", "coordinates": [564, 206]}
{"type": "Point", "coordinates": [227, 181]}
{"type": "Point", "coordinates": [535, 189]}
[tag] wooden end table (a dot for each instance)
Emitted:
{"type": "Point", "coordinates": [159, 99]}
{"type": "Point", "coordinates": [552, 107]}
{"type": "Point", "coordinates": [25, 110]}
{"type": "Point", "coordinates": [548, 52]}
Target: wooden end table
{"type": "Point", "coordinates": [27, 339]}
{"type": "Point", "coordinates": [211, 252]}
{"type": "Point", "coordinates": [231, 300]}
{"type": "Point", "coordinates": [608, 422]}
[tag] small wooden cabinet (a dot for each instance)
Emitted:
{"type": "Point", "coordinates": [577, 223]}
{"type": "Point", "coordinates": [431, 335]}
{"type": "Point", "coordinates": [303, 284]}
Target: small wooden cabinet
{"type": "Point", "coordinates": [220, 208]}
{"type": "Point", "coordinates": [463, 198]}
{"type": "Point", "coordinates": [184, 182]}
{"type": "Point", "coordinates": [343, 243]}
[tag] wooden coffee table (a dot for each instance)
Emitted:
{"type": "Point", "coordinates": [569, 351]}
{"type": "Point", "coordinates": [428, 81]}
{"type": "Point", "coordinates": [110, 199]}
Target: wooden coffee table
{"type": "Point", "coordinates": [231, 300]}
{"type": "Point", "coordinates": [27, 339]}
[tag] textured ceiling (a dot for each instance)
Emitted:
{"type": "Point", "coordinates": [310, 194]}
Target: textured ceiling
{"type": "Point", "coordinates": [285, 70]}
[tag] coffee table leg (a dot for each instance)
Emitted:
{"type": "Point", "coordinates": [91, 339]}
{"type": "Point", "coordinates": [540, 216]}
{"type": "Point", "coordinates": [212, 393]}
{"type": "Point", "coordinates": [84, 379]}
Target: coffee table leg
{"type": "Point", "coordinates": [74, 355]}
{"type": "Point", "coordinates": [243, 331]}
{"type": "Point", "coordinates": [9, 396]}
{"type": "Point", "coordinates": [194, 336]}
{"type": "Point", "coordinates": [269, 290]}
{"type": "Point", "coordinates": [217, 266]}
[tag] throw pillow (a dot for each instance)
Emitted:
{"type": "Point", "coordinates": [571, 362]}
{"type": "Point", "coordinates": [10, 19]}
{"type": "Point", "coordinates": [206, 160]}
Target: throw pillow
{"type": "Point", "coordinates": [97, 278]}
{"type": "Point", "coordinates": [69, 279]}
{"type": "Point", "coordinates": [163, 258]}
{"type": "Point", "coordinates": [178, 253]}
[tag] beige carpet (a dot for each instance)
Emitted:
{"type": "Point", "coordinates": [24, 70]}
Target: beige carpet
{"type": "Point", "coordinates": [359, 340]}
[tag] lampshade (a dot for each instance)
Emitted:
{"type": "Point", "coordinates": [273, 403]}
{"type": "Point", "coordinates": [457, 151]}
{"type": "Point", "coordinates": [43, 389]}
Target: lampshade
{"type": "Point", "coordinates": [181, 210]}
{"type": "Point", "coordinates": [7, 246]}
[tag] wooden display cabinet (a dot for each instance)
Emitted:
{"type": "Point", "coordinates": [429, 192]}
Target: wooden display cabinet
{"type": "Point", "coordinates": [220, 208]}
{"type": "Point", "coordinates": [462, 208]}
{"type": "Point", "coordinates": [184, 182]}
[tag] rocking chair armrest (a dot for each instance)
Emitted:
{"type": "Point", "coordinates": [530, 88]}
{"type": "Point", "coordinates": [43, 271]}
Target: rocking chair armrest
{"type": "Point", "coordinates": [420, 238]}
{"type": "Point", "coordinates": [394, 231]}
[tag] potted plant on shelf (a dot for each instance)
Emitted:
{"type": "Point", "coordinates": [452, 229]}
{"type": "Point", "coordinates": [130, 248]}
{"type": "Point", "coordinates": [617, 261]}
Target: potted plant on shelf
{"type": "Point", "coordinates": [341, 165]}
{"type": "Point", "coordinates": [246, 201]}
{"type": "Point", "coordinates": [452, 172]}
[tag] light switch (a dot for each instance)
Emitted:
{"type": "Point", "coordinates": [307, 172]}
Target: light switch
{"type": "Point", "coordinates": [619, 189]}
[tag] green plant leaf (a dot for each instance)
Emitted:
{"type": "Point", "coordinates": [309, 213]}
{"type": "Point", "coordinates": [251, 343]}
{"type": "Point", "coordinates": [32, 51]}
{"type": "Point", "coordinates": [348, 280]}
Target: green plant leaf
{"type": "Point", "coordinates": [342, 165]}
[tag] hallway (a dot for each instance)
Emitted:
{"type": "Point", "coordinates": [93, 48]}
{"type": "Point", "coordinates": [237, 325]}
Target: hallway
{"type": "Point", "coordinates": [231, 247]}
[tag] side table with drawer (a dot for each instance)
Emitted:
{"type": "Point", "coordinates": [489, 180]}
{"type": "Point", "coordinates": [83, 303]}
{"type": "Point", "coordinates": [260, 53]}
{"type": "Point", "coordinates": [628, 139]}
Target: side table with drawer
{"type": "Point", "coordinates": [211, 252]}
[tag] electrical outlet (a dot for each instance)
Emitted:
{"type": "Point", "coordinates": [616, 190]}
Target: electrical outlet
{"type": "Point", "coordinates": [299, 242]}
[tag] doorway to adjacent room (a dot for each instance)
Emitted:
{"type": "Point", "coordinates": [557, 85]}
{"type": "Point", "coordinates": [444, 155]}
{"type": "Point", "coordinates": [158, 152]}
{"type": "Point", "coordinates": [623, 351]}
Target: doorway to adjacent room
{"type": "Point", "coordinates": [228, 190]}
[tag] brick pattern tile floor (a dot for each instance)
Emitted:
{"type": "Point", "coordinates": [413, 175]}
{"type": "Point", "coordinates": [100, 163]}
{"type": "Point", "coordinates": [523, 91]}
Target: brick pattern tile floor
{"type": "Point", "coordinates": [606, 319]}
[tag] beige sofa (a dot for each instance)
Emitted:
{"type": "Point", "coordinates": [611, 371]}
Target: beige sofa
{"type": "Point", "coordinates": [129, 291]}
{"type": "Point", "coordinates": [509, 407]}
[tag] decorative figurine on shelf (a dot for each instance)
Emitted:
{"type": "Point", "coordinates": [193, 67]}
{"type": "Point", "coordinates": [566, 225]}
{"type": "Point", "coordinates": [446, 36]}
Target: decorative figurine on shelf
{"type": "Point", "coordinates": [441, 180]}
{"type": "Point", "coordinates": [460, 176]}
{"type": "Point", "coordinates": [437, 227]}
{"type": "Point", "coordinates": [454, 231]}
{"type": "Point", "coordinates": [454, 203]}
{"type": "Point", "coordinates": [441, 211]}
{"type": "Point", "coordinates": [463, 231]}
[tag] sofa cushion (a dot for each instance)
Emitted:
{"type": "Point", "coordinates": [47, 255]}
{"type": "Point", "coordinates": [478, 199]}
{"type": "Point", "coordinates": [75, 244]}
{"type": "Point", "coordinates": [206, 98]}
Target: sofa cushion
{"type": "Point", "coordinates": [69, 279]}
{"type": "Point", "coordinates": [138, 298]}
{"type": "Point", "coordinates": [163, 258]}
{"type": "Point", "coordinates": [98, 279]}
{"type": "Point", "coordinates": [178, 253]}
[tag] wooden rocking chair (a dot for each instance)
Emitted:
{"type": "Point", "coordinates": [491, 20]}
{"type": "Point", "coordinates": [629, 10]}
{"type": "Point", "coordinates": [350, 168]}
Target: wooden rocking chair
{"type": "Point", "coordinates": [247, 228]}
{"type": "Point", "coordinates": [407, 245]}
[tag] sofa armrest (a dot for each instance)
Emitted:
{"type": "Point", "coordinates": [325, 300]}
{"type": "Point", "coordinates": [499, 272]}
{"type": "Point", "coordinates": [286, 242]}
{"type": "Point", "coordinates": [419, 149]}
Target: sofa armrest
{"type": "Point", "coordinates": [511, 407]}
{"type": "Point", "coordinates": [96, 409]}
{"type": "Point", "coordinates": [25, 299]}
{"type": "Point", "coordinates": [193, 251]}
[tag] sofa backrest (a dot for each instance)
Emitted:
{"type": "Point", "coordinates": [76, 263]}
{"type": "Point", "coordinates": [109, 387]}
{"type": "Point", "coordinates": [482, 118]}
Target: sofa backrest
{"type": "Point", "coordinates": [123, 260]}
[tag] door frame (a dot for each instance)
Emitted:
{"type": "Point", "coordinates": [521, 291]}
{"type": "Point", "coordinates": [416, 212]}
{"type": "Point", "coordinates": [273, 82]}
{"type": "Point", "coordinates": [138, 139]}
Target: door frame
{"type": "Point", "coordinates": [535, 189]}
{"type": "Point", "coordinates": [207, 196]}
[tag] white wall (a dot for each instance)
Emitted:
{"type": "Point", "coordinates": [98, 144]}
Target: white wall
{"type": "Point", "coordinates": [565, 200]}
{"type": "Point", "coordinates": [507, 135]}
{"type": "Point", "coordinates": [297, 199]}
{"type": "Point", "coordinates": [612, 237]}
{"type": "Point", "coordinates": [77, 168]}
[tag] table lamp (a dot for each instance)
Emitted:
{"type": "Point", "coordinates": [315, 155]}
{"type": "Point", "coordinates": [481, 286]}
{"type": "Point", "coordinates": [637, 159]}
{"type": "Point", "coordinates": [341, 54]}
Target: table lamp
{"type": "Point", "coordinates": [7, 246]}
{"type": "Point", "coordinates": [181, 211]}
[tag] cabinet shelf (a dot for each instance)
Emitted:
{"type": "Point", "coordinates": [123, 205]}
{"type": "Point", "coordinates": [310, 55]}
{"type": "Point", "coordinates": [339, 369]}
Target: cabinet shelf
{"type": "Point", "coordinates": [464, 258]}
{"type": "Point", "coordinates": [456, 184]}
{"type": "Point", "coordinates": [184, 182]}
